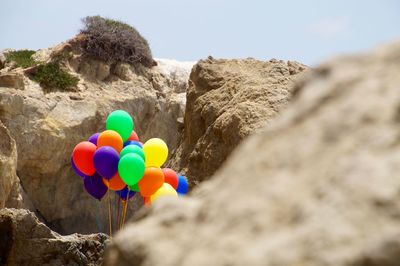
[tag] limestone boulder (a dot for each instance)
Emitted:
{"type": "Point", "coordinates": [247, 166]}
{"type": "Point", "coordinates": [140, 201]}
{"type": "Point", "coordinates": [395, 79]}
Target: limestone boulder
{"type": "Point", "coordinates": [26, 241]}
{"type": "Point", "coordinates": [226, 101]}
{"type": "Point", "coordinates": [317, 187]}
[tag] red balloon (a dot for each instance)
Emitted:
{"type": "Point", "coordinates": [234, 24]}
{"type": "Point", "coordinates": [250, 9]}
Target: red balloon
{"type": "Point", "coordinates": [82, 155]}
{"type": "Point", "coordinates": [133, 136]}
{"type": "Point", "coordinates": [171, 177]}
{"type": "Point", "coordinates": [151, 181]}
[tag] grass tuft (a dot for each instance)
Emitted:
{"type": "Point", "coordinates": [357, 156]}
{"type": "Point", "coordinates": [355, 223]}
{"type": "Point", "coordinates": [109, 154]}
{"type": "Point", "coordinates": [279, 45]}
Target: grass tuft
{"type": "Point", "coordinates": [22, 58]}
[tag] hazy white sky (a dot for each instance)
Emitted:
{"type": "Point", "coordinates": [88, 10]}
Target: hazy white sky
{"type": "Point", "coordinates": [307, 31]}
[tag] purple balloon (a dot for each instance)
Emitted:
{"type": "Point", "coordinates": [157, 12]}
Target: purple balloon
{"type": "Point", "coordinates": [123, 193]}
{"type": "Point", "coordinates": [133, 142]}
{"type": "Point", "coordinates": [94, 186]}
{"type": "Point", "coordinates": [93, 138]}
{"type": "Point", "coordinates": [105, 161]}
{"type": "Point", "coordinates": [82, 175]}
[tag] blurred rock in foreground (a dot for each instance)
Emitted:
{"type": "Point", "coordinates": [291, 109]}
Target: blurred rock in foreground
{"type": "Point", "coordinates": [319, 187]}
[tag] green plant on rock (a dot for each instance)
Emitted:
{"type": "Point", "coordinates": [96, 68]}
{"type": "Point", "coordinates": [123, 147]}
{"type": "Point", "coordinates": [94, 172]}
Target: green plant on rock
{"type": "Point", "coordinates": [22, 58]}
{"type": "Point", "coordinates": [50, 76]}
{"type": "Point", "coordinates": [114, 41]}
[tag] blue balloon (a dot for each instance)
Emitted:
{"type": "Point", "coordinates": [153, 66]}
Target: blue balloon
{"type": "Point", "coordinates": [123, 193]}
{"type": "Point", "coordinates": [183, 185]}
{"type": "Point", "coordinates": [133, 142]}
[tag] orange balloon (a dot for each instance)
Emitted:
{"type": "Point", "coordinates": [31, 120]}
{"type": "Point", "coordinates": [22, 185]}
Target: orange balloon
{"type": "Point", "coordinates": [147, 201]}
{"type": "Point", "coordinates": [110, 138]}
{"type": "Point", "coordinates": [115, 183]}
{"type": "Point", "coordinates": [151, 181]}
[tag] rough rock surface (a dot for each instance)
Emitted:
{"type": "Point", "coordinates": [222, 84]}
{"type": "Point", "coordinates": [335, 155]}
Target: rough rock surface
{"type": "Point", "coordinates": [176, 73]}
{"type": "Point", "coordinates": [318, 187]}
{"type": "Point", "coordinates": [226, 101]}
{"type": "Point", "coordinates": [8, 167]}
{"type": "Point", "coordinates": [12, 195]}
{"type": "Point", "coordinates": [47, 126]}
{"type": "Point", "coordinates": [2, 59]}
{"type": "Point", "coordinates": [26, 241]}
{"type": "Point", "coordinates": [12, 80]}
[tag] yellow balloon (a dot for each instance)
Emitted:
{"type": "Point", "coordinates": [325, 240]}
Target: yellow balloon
{"type": "Point", "coordinates": [165, 191]}
{"type": "Point", "coordinates": [156, 152]}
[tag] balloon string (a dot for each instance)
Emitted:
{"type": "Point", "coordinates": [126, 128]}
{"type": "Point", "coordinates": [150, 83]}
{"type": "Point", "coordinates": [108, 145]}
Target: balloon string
{"type": "Point", "coordinates": [118, 213]}
{"type": "Point", "coordinates": [123, 213]}
{"type": "Point", "coordinates": [126, 207]}
{"type": "Point", "coordinates": [123, 219]}
{"type": "Point", "coordinates": [109, 212]}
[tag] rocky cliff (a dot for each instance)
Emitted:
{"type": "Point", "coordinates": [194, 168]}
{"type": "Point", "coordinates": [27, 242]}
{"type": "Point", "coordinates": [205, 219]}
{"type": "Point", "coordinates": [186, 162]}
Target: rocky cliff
{"type": "Point", "coordinates": [47, 125]}
{"type": "Point", "coordinates": [317, 187]}
{"type": "Point", "coordinates": [227, 100]}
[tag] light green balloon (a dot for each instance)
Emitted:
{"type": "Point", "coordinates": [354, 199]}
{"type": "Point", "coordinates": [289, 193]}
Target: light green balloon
{"type": "Point", "coordinates": [134, 187]}
{"type": "Point", "coordinates": [132, 149]}
{"type": "Point", "coordinates": [121, 122]}
{"type": "Point", "coordinates": [131, 168]}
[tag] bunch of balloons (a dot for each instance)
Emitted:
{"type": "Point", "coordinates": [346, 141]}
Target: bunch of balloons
{"type": "Point", "coordinates": [116, 160]}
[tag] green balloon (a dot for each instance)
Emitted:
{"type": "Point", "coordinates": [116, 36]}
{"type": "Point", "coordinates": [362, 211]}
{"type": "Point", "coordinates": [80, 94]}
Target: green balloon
{"type": "Point", "coordinates": [131, 168]}
{"type": "Point", "coordinates": [132, 149]}
{"type": "Point", "coordinates": [121, 122]}
{"type": "Point", "coordinates": [134, 187]}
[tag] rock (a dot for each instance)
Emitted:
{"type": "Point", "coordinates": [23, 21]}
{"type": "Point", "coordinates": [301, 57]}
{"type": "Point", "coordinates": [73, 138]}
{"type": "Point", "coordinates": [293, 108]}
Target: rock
{"type": "Point", "coordinates": [19, 199]}
{"type": "Point", "coordinates": [12, 195]}
{"type": "Point", "coordinates": [174, 74]}
{"type": "Point", "coordinates": [2, 59]}
{"type": "Point", "coordinates": [123, 71]}
{"type": "Point", "coordinates": [42, 55]}
{"type": "Point", "coordinates": [12, 80]}
{"type": "Point", "coordinates": [226, 101]}
{"type": "Point", "coordinates": [318, 187]}
{"type": "Point", "coordinates": [94, 69]}
{"type": "Point", "coordinates": [8, 166]}
{"type": "Point", "coordinates": [26, 241]}
{"type": "Point", "coordinates": [47, 126]}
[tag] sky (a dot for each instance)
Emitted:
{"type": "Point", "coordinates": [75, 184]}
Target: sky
{"type": "Point", "coordinates": [308, 31]}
